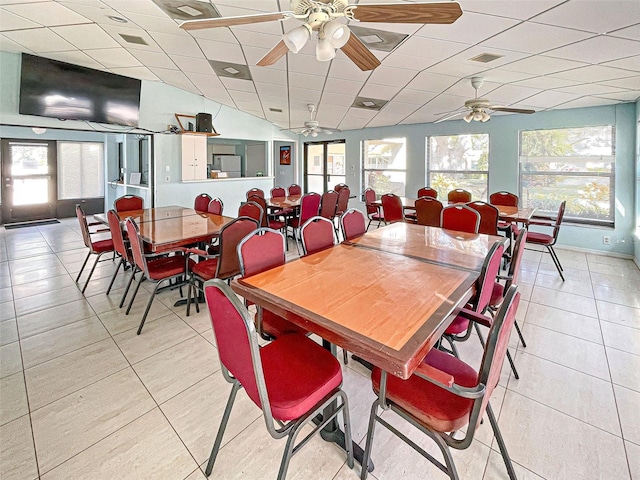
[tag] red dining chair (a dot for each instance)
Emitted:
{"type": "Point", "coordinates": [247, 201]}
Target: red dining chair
{"type": "Point", "coordinates": [427, 192]}
{"type": "Point", "coordinates": [291, 379]}
{"type": "Point", "coordinates": [279, 212]}
{"type": "Point", "coordinates": [268, 220]}
{"type": "Point", "coordinates": [340, 186]}
{"type": "Point", "coordinates": [488, 217]}
{"type": "Point", "coordinates": [251, 210]}
{"type": "Point", "coordinates": [278, 192]}
{"type": "Point", "coordinates": [445, 394]}
{"type": "Point", "coordinates": [343, 200]}
{"type": "Point", "coordinates": [255, 191]}
{"type": "Point", "coordinates": [98, 247]}
{"type": "Point", "coordinates": [201, 203]}
{"type": "Point", "coordinates": [392, 208]}
{"type": "Point", "coordinates": [309, 207]}
{"type": "Point", "coordinates": [428, 211]}
{"type": "Point", "coordinates": [374, 212]}
{"type": "Point", "coordinates": [261, 250]}
{"type": "Point", "coordinates": [328, 204]}
{"type": "Point", "coordinates": [317, 234]}
{"type": "Point", "coordinates": [353, 224]}
{"type": "Point", "coordinates": [120, 246]}
{"type": "Point", "coordinates": [546, 240]}
{"type": "Point", "coordinates": [128, 203]}
{"type": "Point", "coordinates": [503, 198]}
{"type": "Point", "coordinates": [497, 295]}
{"type": "Point", "coordinates": [157, 268]}
{"type": "Point", "coordinates": [459, 195]}
{"type": "Point", "coordinates": [215, 206]}
{"type": "Point", "coordinates": [224, 266]}
{"type": "Point", "coordinates": [295, 189]}
{"type": "Point", "coordinates": [460, 218]}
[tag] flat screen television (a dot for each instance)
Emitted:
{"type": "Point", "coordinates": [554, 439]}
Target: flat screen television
{"type": "Point", "coordinates": [49, 88]}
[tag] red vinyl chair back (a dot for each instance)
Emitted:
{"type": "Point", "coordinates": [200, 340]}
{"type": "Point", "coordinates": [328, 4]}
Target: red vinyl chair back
{"type": "Point", "coordinates": [278, 192]}
{"type": "Point", "coordinates": [215, 206]}
{"type": "Point", "coordinates": [503, 198]}
{"type": "Point", "coordinates": [488, 274]}
{"type": "Point", "coordinates": [317, 234]}
{"type": "Point", "coordinates": [261, 250]}
{"type": "Point", "coordinates": [343, 200]}
{"type": "Point", "coordinates": [460, 218]}
{"type": "Point", "coordinates": [309, 207]}
{"type": "Point", "coordinates": [427, 192]}
{"type": "Point", "coordinates": [201, 202]}
{"type": "Point", "coordinates": [263, 205]}
{"type": "Point", "coordinates": [488, 217]}
{"type": "Point", "coordinates": [127, 203]}
{"type": "Point", "coordinates": [84, 227]}
{"type": "Point", "coordinates": [116, 234]}
{"type": "Point", "coordinates": [556, 228]}
{"type": "Point", "coordinates": [295, 189]}
{"type": "Point", "coordinates": [428, 211]}
{"type": "Point", "coordinates": [251, 210]}
{"type": "Point", "coordinates": [340, 186]}
{"type": "Point", "coordinates": [230, 236]}
{"type": "Point", "coordinates": [392, 208]}
{"type": "Point", "coordinates": [353, 224]}
{"type": "Point", "coordinates": [459, 195]}
{"type": "Point", "coordinates": [329, 204]}
{"type": "Point", "coordinates": [516, 260]}
{"type": "Point", "coordinates": [137, 248]}
{"type": "Point", "coordinates": [369, 198]}
{"type": "Point", "coordinates": [255, 191]}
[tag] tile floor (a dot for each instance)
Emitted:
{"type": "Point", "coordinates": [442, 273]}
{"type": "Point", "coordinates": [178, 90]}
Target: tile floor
{"type": "Point", "coordinates": [84, 397]}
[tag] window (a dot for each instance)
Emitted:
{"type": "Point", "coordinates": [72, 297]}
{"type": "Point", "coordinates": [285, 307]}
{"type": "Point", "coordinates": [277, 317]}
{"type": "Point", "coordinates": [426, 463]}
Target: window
{"type": "Point", "coordinates": [572, 164]}
{"type": "Point", "coordinates": [458, 161]}
{"type": "Point", "coordinates": [80, 170]}
{"type": "Point", "coordinates": [385, 165]}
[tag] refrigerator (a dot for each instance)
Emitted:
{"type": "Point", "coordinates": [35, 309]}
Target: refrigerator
{"type": "Point", "coordinates": [232, 164]}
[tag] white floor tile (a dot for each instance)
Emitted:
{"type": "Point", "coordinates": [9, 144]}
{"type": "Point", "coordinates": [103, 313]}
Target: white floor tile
{"type": "Point", "coordinates": [18, 460]}
{"type": "Point", "coordinates": [14, 398]}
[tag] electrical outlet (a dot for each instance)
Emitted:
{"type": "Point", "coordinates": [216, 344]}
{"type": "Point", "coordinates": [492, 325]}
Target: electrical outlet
{"type": "Point", "coordinates": [167, 179]}
{"type": "Point", "coordinates": [606, 240]}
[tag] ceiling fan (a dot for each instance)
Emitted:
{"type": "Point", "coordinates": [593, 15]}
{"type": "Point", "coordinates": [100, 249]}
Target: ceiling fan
{"type": "Point", "coordinates": [476, 109]}
{"type": "Point", "coordinates": [323, 17]}
{"type": "Point", "coordinates": [311, 126]}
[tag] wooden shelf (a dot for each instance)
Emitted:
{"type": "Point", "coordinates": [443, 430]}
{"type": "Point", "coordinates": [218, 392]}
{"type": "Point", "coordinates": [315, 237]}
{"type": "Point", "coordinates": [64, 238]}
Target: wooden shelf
{"type": "Point", "coordinates": [191, 132]}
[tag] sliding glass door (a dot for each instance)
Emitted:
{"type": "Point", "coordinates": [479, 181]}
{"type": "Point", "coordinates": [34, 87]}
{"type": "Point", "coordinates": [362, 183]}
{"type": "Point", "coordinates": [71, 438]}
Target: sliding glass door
{"type": "Point", "coordinates": [324, 165]}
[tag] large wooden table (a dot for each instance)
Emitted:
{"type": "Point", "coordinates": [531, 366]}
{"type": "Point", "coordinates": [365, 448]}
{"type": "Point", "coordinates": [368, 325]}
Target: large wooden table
{"type": "Point", "coordinates": [388, 309]}
{"type": "Point", "coordinates": [284, 202]}
{"type": "Point", "coordinates": [431, 244]}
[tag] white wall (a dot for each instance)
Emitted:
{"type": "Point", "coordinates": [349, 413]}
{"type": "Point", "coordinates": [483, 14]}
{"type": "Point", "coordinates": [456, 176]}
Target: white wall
{"type": "Point", "coordinates": [637, 232]}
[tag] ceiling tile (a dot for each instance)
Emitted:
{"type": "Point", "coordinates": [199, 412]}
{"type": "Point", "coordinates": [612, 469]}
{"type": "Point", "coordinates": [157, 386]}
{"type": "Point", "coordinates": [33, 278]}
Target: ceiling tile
{"type": "Point", "coordinates": [470, 28]}
{"type": "Point", "coordinates": [542, 65]}
{"type": "Point", "coordinates": [304, 95]}
{"type": "Point", "coordinates": [210, 86]}
{"type": "Point", "coordinates": [338, 85]}
{"type": "Point", "coordinates": [593, 89]}
{"type": "Point", "coordinates": [632, 33]}
{"type": "Point", "coordinates": [77, 58]}
{"type": "Point", "coordinates": [214, 34]}
{"type": "Point", "coordinates": [175, 78]}
{"type": "Point", "coordinates": [229, 7]}
{"type": "Point", "coordinates": [391, 76]}
{"type": "Point", "coordinates": [623, 95]}
{"type": "Point", "coordinates": [399, 108]}
{"type": "Point", "coordinates": [270, 89]}
{"type": "Point", "coordinates": [546, 83]}
{"type": "Point", "coordinates": [8, 45]}
{"type": "Point", "coordinates": [459, 69]}
{"type": "Point", "coordinates": [192, 65]}
{"type": "Point", "coordinates": [522, 9]}
{"type": "Point", "coordinates": [587, 102]}
{"type": "Point", "coordinates": [98, 13]}
{"type": "Point", "coordinates": [120, 32]}
{"type": "Point", "coordinates": [501, 75]}
{"type": "Point", "coordinates": [222, 52]}
{"type": "Point", "coordinates": [510, 94]}
{"type": "Point", "coordinates": [630, 83]}
{"type": "Point", "coordinates": [408, 62]}
{"type": "Point", "coordinates": [239, 96]}
{"type": "Point", "coordinates": [269, 75]}
{"type": "Point", "coordinates": [595, 16]}
{"type": "Point", "coordinates": [275, 102]}
{"type": "Point", "coordinates": [302, 80]}
{"type": "Point", "coordinates": [594, 73]}
{"type": "Point", "coordinates": [48, 14]}
{"type": "Point", "coordinates": [155, 24]}
{"type": "Point", "coordinates": [431, 82]}
{"type": "Point", "coordinates": [464, 88]}
{"type": "Point", "coordinates": [113, 57]}
{"type": "Point", "coordinates": [505, 56]}
{"type": "Point", "coordinates": [529, 37]}
{"type": "Point", "coordinates": [361, 113]}
{"type": "Point", "coordinates": [153, 59]}
{"type": "Point", "coordinates": [14, 22]}
{"type": "Point", "coordinates": [383, 92]}
{"type": "Point", "coordinates": [307, 64]}
{"type": "Point", "coordinates": [40, 40]}
{"type": "Point", "coordinates": [445, 103]}
{"type": "Point", "coordinates": [597, 49]}
{"type": "Point", "coordinates": [414, 97]}
{"type": "Point", "coordinates": [143, 73]}
{"type": "Point", "coordinates": [350, 123]}
{"type": "Point", "coordinates": [86, 36]}
{"type": "Point", "coordinates": [384, 119]}
{"type": "Point", "coordinates": [146, 7]}
{"type": "Point", "coordinates": [177, 44]}
{"type": "Point", "coordinates": [255, 39]}
{"type": "Point", "coordinates": [550, 99]}
{"type": "Point", "coordinates": [331, 98]}
{"type": "Point", "coordinates": [346, 70]}
{"type": "Point", "coordinates": [430, 48]}
{"type": "Point", "coordinates": [629, 63]}
{"type": "Point", "coordinates": [239, 85]}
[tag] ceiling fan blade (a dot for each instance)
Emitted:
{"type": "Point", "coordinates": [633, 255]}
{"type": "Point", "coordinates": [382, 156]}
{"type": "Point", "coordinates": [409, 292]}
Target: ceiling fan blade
{"type": "Point", "coordinates": [461, 109]}
{"type": "Point", "coordinates": [448, 117]}
{"type": "Point", "coordinates": [233, 21]}
{"type": "Point", "coordinates": [360, 54]}
{"type": "Point", "coordinates": [273, 55]}
{"type": "Point", "coordinates": [445, 12]}
{"type": "Point", "coordinates": [328, 131]}
{"type": "Point", "coordinates": [498, 108]}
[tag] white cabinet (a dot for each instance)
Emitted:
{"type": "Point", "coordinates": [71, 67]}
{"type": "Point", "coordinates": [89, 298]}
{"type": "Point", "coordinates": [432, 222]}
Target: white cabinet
{"type": "Point", "coordinates": [194, 157]}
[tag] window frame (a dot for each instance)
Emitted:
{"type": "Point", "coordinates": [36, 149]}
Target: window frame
{"type": "Point", "coordinates": [59, 145]}
{"type": "Point", "coordinates": [364, 170]}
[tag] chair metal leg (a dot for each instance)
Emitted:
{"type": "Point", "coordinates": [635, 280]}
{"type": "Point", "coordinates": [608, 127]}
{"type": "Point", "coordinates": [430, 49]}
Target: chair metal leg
{"type": "Point", "coordinates": [501, 444]}
{"type": "Point", "coordinates": [146, 310]}
{"type": "Point", "coordinates": [345, 356]}
{"type": "Point", "coordinates": [135, 292]}
{"type": "Point", "coordinates": [86, 284]}
{"type": "Point", "coordinates": [113, 278]}
{"type": "Point", "coordinates": [513, 365]}
{"type": "Point", "coordinates": [524, 344]}
{"type": "Point", "coordinates": [83, 265]}
{"type": "Point", "coordinates": [126, 290]}
{"type": "Point", "coordinates": [556, 261]}
{"type": "Point", "coordinates": [189, 295]}
{"type": "Point", "coordinates": [369, 444]}
{"type": "Point", "coordinates": [223, 426]}
{"type": "Point", "coordinates": [346, 417]}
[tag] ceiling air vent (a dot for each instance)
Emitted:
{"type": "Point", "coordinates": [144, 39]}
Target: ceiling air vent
{"type": "Point", "coordinates": [187, 9]}
{"type": "Point", "coordinates": [133, 39]}
{"type": "Point", "coordinates": [486, 57]}
{"type": "Point", "coordinates": [277, 110]}
{"type": "Point", "coordinates": [378, 39]}
{"type": "Point", "coordinates": [231, 70]}
{"type": "Point", "coordinates": [369, 103]}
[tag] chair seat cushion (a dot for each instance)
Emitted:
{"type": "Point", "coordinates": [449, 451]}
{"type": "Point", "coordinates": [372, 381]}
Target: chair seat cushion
{"type": "Point", "coordinates": [434, 407]}
{"type": "Point", "coordinates": [167, 267]}
{"type": "Point", "coordinates": [102, 246]}
{"type": "Point", "coordinates": [276, 224]}
{"type": "Point", "coordinates": [298, 373]}
{"type": "Point", "coordinates": [539, 238]}
{"type": "Point", "coordinates": [497, 294]}
{"type": "Point", "coordinates": [206, 269]}
{"type": "Point", "coordinates": [276, 326]}
{"type": "Point", "coordinates": [376, 216]}
{"type": "Point", "coordinates": [294, 222]}
{"type": "Point", "coordinates": [458, 326]}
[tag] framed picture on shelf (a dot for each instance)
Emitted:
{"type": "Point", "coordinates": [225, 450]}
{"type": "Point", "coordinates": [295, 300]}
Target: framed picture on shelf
{"type": "Point", "coordinates": [285, 155]}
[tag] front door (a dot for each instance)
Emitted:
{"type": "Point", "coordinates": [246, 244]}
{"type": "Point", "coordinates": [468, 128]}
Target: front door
{"type": "Point", "coordinates": [324, 165]}
{"type": "Point", "coordinates": [28, 180]}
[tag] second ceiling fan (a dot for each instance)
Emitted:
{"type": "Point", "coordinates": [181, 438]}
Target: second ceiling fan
{"type": "Point", "coordinates": [323, 18]}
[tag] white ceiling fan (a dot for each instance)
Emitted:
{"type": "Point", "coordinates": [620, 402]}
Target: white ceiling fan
{"type": "Point", "coordinates": [323, 17]}
{"type": "Point", "coordinates": [311, 126]}
{"type": "Point", "coordinates": [476, 109]}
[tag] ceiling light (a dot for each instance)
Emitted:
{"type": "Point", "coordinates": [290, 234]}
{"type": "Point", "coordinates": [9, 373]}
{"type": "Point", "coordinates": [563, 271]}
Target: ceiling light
{"type": "Point", "coordinates": [117, 19]}
{"type": "Point", "coordinates": [468, 117]}
{"type": "Point", "coordinates": [485, 117]}
{"type": "Point", "coordinates": [337, 33]}
{"type": "Point", "coordinates": [368, 103]}
{"type": "Point", "coordinates": [190, 11]}
{"type": "Point", "coordinates": [297, 38]}
{"type": "Point", "coordinates": [324, 50]}
{"type": "Point", "coordinates": [38, 130]}
{"type": "Point", "coordinates": [477, 115]}
{"type": "Point", "coordinates": [314, 133]}
{"type": "Point", "coordinates": [231, 70]}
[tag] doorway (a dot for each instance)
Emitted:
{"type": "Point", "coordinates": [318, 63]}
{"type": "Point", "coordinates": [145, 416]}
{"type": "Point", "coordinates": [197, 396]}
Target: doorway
{"type": "Point", "coordinates": [324, 165]}
{"type": "Point", "coordinates": [28, 180]}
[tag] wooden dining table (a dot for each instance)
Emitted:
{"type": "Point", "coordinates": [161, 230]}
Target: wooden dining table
{"type": "Point", "coordinates": [289, 201]}
{"type": "Point", "coordinates": [432, 244]}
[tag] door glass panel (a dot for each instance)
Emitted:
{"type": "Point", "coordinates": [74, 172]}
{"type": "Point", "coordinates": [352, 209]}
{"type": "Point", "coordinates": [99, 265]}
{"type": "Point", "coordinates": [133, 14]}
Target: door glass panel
{"type": "Point", "coordinates": [29, 160]}
{"type": "Point", "coordinates": [30, 191]}
{"type": "Point", "coordinates": [315, 183]}
{"type": "Point", "coordinates": [315, 159]}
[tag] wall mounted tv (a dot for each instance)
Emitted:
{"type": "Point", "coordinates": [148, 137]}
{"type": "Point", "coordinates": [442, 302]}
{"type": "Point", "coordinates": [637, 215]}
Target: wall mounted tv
{"type": "Point", "coordinates": [49, 88]}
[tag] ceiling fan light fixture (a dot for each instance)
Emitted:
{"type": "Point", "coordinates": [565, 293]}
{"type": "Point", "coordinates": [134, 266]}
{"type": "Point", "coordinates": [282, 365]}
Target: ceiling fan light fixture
{"type": "Point", "coordinates": [337, 33]}
{"type": "Point", "coordinates": [477, 115]}
{"type": "Point", "coordinates": [324, 50]}
{"type": "Point", "coordinates": [468, 117]}
{"type": "Point", "coordinates": [297, 38]}
{"type": "Point", "coordinates": [314, 133]}
{"type": "Point", "coordinates": [485, 117]}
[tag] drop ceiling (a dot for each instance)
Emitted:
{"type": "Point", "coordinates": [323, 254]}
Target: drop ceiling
{"type": "Point", "coordinates": [551, 54]}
